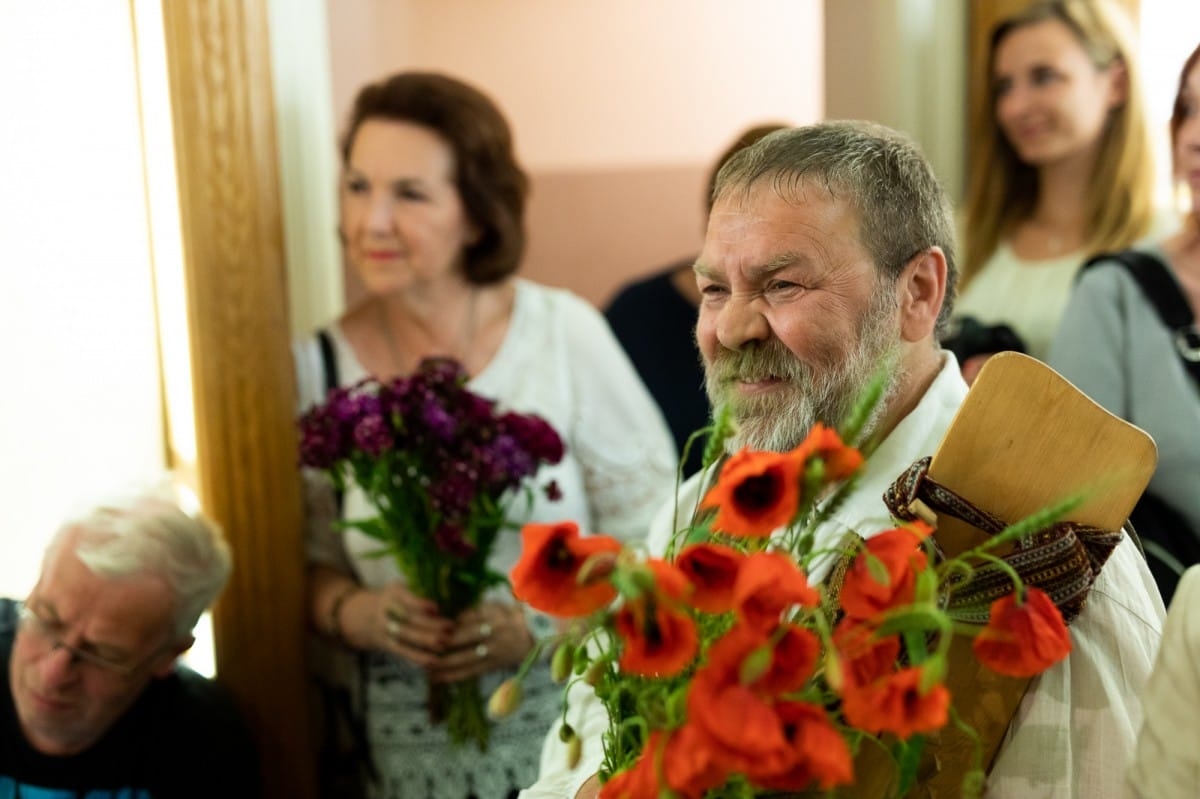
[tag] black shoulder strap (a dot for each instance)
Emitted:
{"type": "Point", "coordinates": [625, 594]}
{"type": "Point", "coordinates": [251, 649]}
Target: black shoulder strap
{"type": "Point", "coordinates": [328, 359]}
{"type": "Point", "coordinates": [329, 362]}
{"type": "Point", "coordinates": [1160, 288]}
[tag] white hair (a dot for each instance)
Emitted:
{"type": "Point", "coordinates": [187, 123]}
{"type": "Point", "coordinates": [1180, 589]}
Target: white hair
{"type": "Point", "coordinates": [148, 534]}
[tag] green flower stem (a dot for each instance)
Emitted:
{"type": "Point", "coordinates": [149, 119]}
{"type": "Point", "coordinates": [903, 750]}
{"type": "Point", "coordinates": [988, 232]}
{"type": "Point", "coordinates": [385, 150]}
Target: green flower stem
{"type": "Point", "coordinates": [462, 707]}
{"type": "Point", "coordinates": [972, 787]}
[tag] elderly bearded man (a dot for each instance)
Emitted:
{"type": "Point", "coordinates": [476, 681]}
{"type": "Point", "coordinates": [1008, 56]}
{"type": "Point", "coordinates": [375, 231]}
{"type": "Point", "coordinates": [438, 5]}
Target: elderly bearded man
{"type": "Point", "coordinates": [829, 253]}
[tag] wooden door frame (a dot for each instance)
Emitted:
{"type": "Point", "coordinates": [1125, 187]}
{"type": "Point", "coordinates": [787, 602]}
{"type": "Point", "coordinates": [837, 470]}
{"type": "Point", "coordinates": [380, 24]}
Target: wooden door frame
{"type": "Point", "coordinates": [218, 61]}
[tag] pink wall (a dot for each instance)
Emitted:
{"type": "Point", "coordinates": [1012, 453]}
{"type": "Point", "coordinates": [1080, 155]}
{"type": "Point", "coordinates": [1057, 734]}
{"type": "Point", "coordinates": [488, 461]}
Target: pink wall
{"type": "Point", "coordinates": [618, 105]}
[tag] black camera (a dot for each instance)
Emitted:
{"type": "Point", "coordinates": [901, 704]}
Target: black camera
{"type": "Point", "coordinates": [967, 336]}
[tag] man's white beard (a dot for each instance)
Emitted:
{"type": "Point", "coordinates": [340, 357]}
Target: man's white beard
{"type": "Point", "coordinates": [779, 421]}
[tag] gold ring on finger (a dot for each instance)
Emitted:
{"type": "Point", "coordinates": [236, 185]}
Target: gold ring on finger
{"type": "Point", "coordinates": [485, 629]}
{"type": "Point", "coordinates": [482, 651]}
{"type": "Point", "coordinates": [393, 628]}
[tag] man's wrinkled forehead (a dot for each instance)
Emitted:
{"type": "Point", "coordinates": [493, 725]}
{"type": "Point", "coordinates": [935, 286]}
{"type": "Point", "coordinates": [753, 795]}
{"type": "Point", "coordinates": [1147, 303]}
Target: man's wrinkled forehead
{"type": "Point", "coordinates": [795, 189]}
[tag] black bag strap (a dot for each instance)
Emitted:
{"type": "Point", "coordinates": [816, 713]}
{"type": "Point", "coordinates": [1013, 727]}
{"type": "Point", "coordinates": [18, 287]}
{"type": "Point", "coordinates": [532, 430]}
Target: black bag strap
{"type": "Point", "coordinates": [329, 366]}
{"type": "Point", "coordinates": [1160, 288]}
{"type": "Point", "coordinates": [328, 359]}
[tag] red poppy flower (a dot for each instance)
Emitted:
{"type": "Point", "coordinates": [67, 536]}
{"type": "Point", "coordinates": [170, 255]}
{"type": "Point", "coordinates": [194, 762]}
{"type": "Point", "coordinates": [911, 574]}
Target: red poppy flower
{"type": "Point", "coordinates": [659, 637]}
{"type": "Point", "coordinates": [767, 584]}
{"type": "Point", "coordinates": [741, 727]}
{"type": "Point", "coordinates": [863, 657]}
{"type": "Point", "coordinates": [793, 660]}
{"type": "Point", "coordinates": [679, 759]}
{"type": "Point", "coordinates": [820, 752]}
{"type": "Point", "coordinates": [896, 553]}
{"type": "Point", "coordinates": [1022, 640]}
{"type": "Point", "coordinates": [775, 744]}
{"type": "Point", "coordinates": [756, 493]}
{"type": "Point", "coordinates": [642, 778]}
{"type": "Point", "coordinates": [769, 665]}
{"type": "Point", "coordinates": [712, 570]}
{"type": "Point", "coordinates": [690, 765]}
{"type": "Point", "coordinates": [669, 579]}
{"type": "Point", "coordinates": [546, 575]}
{"type": "Point", "coordinates": [895, 704]}
{"type": "Point", "coordinates": [822, 442]}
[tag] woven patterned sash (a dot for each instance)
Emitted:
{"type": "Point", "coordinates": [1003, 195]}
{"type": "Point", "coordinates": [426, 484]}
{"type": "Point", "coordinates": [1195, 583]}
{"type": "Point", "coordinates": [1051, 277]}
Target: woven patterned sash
{"type": "Point", "coordinates": [1063, 560]}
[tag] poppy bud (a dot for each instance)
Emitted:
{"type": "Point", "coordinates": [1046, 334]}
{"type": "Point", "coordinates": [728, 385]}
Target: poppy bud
{"type": "Point", "coordinates": [561, 663]}
{"type": "Point", "coordinates": [972, 785]}
{"type": "Point", "coordinates": [597, 567]}
{"type": "Point", "coordinates": [833, 670]}
{"type": "Point", "coordinates": [566, 733]}
{"type": "Point", "coordinates": [574, 751]}
{"type": "Point", "coordinates": [595, 673]}
{"type": "Point", "coordinates": [505, 699]}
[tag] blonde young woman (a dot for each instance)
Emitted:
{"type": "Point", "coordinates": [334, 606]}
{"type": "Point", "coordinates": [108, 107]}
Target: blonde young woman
{"type": "Point", "coordinates": [432, 203]}
{"type": "Point", "coordinates": [1066, 168]}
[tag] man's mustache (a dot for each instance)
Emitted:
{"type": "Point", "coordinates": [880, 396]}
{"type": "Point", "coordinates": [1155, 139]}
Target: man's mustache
{"type": "Point", "coordinates": [767, 360]}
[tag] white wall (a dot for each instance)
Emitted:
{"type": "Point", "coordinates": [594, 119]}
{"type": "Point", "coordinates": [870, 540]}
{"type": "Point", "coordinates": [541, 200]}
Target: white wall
{"type": "Point", "coordinates": [592, 83]}
{"type": "Point", "coordinates": [1169, 31]}
{"type": "Point", "coordinates": [80, 414]}
{"type": "Point", "coordinates": [308, 163]}
{"type": "Point", "coordinates": [618, 107]}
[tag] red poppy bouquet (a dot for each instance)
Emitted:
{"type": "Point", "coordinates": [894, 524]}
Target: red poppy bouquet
{"type": "Point", "coordinates": [726, 673]}
{"type": "Point", "coordinates": [438, 463]}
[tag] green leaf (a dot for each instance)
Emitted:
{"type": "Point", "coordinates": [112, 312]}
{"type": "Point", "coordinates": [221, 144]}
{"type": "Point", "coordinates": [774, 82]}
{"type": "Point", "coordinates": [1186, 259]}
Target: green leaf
{"type": "Point", "coordinates": [908, 758]}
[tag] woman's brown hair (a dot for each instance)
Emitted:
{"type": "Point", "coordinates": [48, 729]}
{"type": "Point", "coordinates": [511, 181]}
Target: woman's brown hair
{"type": "Point", "coordinates": [490, 182]}
{"type": "Point", "coordinates": [1179, 111]}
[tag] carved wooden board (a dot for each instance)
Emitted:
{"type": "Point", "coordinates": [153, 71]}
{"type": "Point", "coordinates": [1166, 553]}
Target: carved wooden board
{"type": "Point", "coordinates": [1026, 439]}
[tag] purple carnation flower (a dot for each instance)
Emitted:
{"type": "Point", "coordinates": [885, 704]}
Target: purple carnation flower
{"type": "Point", "coordinates": [507, 460]}
{"type": "Point", "coordinates": [439, 421]}
{"type": "Point", "coordinates": [450, 539]}
{"type": "Point", "coordinates": [452, 493]}
{"type": "Point", "coordinates": [320, 440]}
{"type": "Point", "coordinates": [373, 436]}
{"type": "Point", "coordinates": [535, 435]}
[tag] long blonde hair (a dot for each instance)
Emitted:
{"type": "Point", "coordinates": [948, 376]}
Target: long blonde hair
{"type": "Point", "coordinates": [1003, 189]}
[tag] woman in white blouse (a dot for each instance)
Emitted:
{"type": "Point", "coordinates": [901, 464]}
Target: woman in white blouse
{"type": "Point", "coordinates": [432, 201]}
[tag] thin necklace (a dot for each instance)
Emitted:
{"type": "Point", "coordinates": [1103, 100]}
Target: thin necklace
{"type": "Point", "coordinates": [461, 353]}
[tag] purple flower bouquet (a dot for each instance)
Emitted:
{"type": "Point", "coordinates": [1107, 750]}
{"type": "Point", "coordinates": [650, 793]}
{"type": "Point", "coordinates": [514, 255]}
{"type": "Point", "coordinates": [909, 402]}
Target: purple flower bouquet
{"type": "Point", "coordinates": [436, 461]}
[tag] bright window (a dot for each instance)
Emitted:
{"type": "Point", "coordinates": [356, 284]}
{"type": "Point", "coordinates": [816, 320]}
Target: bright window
{"type": "Point", "coordinates": [1169, 31]}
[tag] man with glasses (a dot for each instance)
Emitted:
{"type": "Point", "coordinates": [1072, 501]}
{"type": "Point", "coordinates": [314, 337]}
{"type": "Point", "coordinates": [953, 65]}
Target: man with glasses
{"type": "Point", "coordinates": [96, 704]}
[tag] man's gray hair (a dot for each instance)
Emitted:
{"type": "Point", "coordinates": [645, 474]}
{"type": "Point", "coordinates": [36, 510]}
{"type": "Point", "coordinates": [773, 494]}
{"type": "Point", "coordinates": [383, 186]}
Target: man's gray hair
{"type": "Point", "coordinates": [902, 208]}
{"type": "Point", "coordinates": [150, 535]}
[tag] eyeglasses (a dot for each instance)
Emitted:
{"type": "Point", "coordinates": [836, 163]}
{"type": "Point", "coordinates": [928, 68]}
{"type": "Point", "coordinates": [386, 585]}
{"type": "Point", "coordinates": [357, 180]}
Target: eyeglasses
{"type": "Point", "coordinates": [51, 633]}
